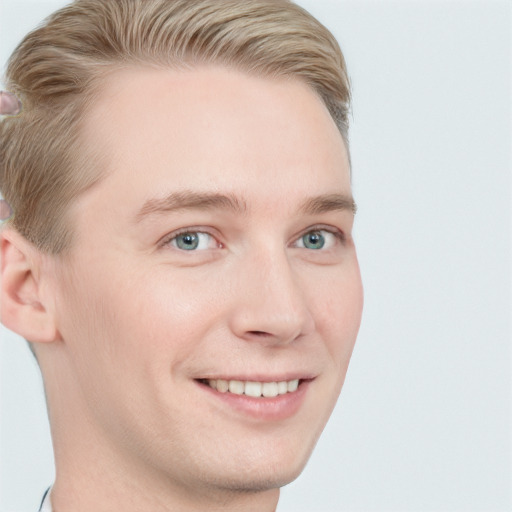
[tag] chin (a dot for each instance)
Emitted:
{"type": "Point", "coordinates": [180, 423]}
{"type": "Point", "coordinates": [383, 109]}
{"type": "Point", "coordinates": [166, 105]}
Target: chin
{"type": "Point", "coordinates": [257, 480]}
{"type": "Point", "coordinates": [265, 469]}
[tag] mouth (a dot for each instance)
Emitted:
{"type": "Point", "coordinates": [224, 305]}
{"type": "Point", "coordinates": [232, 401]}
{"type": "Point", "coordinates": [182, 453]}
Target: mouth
{"type": "Point", "coordinates": [254, 389]}
{"type": "Point", "coordinates": [260, 400]}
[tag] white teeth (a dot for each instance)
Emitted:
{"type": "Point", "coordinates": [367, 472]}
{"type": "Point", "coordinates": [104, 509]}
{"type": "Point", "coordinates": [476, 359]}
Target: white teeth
{"type": "Point", "coordinates": [269, 389]}
{"type": "Point", "coordinates": [282, 387]}
{"type": "Point", "coordinates": [236, 387]}
{"type": "Point", "coordinates": [293, 385]}
{"type": "Point", "coordinates": [222, 385]}
{"type": "Point", "coordinates": [254, 389]}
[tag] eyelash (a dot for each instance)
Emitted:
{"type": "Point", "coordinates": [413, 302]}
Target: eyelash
{"type": "Point", "coordinates": [172, 236]}
{"type": "Point", "coordinates": [338, 234]}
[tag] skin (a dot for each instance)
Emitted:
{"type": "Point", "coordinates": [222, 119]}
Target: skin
{"type": "Point", "coordinates": [9, 104]}
{"type": "Point", "coordinates": [126, 322]}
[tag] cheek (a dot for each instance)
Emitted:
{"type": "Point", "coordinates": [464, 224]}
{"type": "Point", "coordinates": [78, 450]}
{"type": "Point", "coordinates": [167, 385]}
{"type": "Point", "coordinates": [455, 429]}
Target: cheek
{"type": "Point", "coordinates": [166, 310]}
{"type": "Point", "coordinates": [338, 308]}
{"type": "Point", "coordinates": [120, 309]}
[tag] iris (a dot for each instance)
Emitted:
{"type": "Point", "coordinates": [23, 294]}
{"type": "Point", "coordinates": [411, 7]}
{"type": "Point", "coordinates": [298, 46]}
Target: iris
{"type": "Point", "coordinates": [313, 240]}
{"type": "Point", "coordinates": [187, 241]}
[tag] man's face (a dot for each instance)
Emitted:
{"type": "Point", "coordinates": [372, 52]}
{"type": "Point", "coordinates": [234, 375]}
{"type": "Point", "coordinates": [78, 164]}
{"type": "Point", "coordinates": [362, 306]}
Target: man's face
{"type": "Point", "coordinates": [218, 248]}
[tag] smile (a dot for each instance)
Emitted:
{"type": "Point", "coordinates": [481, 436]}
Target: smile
{"type": "Point", "coordinates": [252, 388]}
{"type": "Point", "coordinates": [260, 400]}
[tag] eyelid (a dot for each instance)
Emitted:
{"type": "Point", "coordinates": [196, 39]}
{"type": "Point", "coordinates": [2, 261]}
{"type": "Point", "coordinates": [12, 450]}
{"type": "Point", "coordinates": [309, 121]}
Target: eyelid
{"type": "Point", "coordinates": [167, 239]}
{"type": "Point", "coordinates": [338, 233]}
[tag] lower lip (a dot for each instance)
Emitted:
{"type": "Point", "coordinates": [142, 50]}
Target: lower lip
{"type": "Point", "coordinates": [277, 408]}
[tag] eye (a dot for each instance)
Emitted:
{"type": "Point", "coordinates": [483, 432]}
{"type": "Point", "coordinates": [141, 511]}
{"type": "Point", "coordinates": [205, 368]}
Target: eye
{"type": "Point", "coordinates": [318, 239]}
{"type": "Point", "coordinates": [193, 241]}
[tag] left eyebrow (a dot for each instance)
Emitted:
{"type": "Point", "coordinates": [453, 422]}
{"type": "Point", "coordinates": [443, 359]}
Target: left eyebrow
{"type": "Point", "coordinates": [191, 200]}
{"type": "Point", "coordinates": [327, 203]}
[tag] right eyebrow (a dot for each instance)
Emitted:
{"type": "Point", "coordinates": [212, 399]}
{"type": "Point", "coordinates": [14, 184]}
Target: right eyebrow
{"type": "Point", "coordinates": [329, 202]}
{"type": "Point", "coordinates": [190, 200]}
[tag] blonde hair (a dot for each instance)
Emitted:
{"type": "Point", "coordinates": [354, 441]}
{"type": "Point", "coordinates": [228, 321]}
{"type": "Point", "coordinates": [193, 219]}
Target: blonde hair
{"type": "Point", "coordinates": [59, 67]}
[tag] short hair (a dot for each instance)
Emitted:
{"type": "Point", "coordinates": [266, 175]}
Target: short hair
{"type": "Point", "coordinates": [60, 66]}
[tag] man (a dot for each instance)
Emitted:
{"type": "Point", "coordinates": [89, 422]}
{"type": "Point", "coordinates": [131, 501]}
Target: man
{"type": "Point", "coordinates": [180, 255]}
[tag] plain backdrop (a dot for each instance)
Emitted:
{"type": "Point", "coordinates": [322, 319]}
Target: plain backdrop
{"type": "Point", "coordinates": [424, 419]}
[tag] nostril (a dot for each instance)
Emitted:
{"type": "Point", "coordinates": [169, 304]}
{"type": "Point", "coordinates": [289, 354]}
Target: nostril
{"type": "Point", "coordinates": [261, 334]}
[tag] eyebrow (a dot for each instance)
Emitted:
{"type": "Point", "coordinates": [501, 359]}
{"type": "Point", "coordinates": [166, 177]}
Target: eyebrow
{"type": "Point", "coordinates": [327, 203]}
{"type": "Point", "coordinates": [190, 200]}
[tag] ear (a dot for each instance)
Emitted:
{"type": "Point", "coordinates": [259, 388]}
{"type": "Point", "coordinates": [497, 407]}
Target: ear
{"type": "Point", "coordinates": [22, 304]}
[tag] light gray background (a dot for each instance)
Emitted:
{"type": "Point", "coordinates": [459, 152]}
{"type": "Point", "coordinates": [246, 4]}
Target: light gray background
{"type": "Point", "coordinates": [424, 420]}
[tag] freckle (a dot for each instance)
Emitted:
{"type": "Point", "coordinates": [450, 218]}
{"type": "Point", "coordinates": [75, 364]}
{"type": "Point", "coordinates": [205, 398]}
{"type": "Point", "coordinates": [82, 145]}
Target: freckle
{"type": "Point", "coordinates": [5, 210]}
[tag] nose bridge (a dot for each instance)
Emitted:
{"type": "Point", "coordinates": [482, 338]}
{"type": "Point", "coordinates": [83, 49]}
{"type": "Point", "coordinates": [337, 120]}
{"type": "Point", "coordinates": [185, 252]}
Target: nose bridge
{"type": "Point", "coordinates": [271, 303]}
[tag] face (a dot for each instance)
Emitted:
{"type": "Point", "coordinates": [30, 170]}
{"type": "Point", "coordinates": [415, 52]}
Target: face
{"type": "Point", "coordinates": [210, 303]}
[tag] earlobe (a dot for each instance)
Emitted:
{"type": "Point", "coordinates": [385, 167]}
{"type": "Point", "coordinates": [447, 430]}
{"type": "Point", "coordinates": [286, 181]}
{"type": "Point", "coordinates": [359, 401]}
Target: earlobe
{"type": "Point", "coordinates": [22, 306]}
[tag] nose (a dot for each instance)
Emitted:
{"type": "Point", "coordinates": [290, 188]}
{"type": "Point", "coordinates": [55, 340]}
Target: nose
{"type": "Point", "coordinates": [270, 305]}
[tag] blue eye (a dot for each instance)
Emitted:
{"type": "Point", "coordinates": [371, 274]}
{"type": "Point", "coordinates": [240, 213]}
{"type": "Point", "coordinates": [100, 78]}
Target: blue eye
{"type": "Point", "coordinates": [193, 240]}
{"type": "Point", "coordinates": [317, 239]}
{"type": "Point", "coordinates": [313, 240]}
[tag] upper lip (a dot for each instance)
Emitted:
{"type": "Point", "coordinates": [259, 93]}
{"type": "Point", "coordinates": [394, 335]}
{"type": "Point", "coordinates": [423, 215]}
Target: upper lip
{"type": "Point", "coordinates": [258, 377]}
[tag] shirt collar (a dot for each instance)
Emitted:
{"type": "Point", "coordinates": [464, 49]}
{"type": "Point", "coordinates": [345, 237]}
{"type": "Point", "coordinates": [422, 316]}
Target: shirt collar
{"type": "Point", "coordinates": [46, 506]}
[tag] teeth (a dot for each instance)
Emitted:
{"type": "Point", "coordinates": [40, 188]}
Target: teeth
{"type": "Point", "coordinates": [269, 389]}
{"type": "Point", "coordinates": [282, 387]}
{"type": "Point", "coordinates": [254, 389]}
{"type": "Point", "coordinates": [222, 385]}
{"type": "Point", "coordinates": [292, 385]}
{"type": "Point", "coordinates": [236, 387]}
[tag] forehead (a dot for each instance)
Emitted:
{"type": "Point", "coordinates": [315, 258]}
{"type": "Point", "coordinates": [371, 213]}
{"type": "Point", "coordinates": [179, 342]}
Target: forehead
{"type": "Point", "coordinates": [214, 129]}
